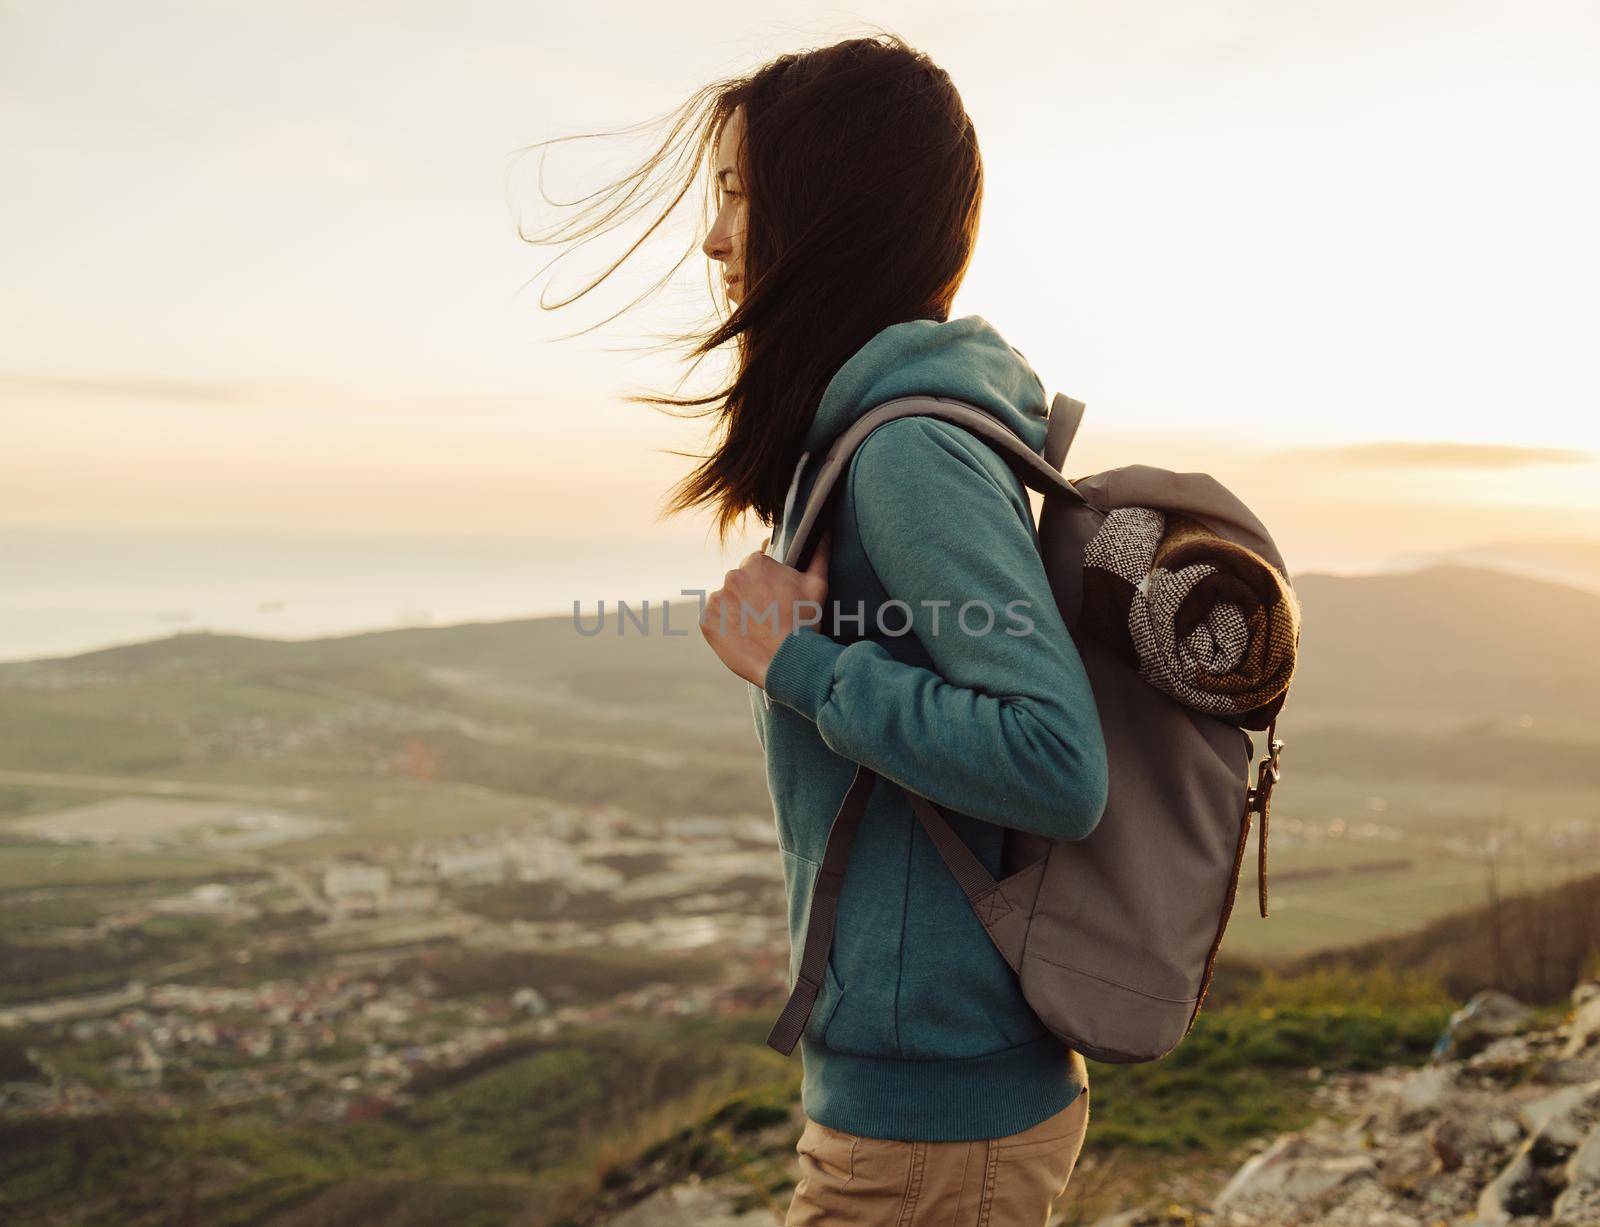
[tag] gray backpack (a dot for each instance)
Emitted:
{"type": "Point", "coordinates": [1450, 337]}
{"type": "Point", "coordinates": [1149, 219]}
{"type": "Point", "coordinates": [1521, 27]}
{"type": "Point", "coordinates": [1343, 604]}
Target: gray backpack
{"type": "Point", "coordinates": [1113, 937]}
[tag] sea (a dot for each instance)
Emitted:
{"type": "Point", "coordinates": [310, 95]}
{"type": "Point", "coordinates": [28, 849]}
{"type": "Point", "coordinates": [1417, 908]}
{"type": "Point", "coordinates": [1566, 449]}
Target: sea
{"type": "Point", "coordinates": [68, 590]}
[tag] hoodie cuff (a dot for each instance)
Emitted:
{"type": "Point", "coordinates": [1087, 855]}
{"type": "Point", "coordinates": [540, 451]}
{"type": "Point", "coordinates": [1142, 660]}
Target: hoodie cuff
{"type": "Point", "coordinates": [800, 674]}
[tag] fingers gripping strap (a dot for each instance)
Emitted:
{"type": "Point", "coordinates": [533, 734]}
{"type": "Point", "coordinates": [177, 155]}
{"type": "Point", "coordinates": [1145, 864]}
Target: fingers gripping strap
{"type": "Point", "coordinates": [786, 1032]}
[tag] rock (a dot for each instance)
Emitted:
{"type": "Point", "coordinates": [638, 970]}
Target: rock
{"type": "Point", "coordinates": [1487, 1015]}
{"type": "Point", "coordinates": [1473, 1131]}
{"type": "Point", "coordinates": [1505, 1060]}
{"type": "Point", "coordinates": [1540, 1170]}
{"type": "Point", "coordinates": [1174, 1215]}
{"type": "Point", "coordinates": [1124, 1218]}
{"type": "Point", "coordinates": [1508, 1189]}
{"type": "Point", "coordinates": [1584, 1029]}
{"type": "Point", "coordinates": [1296, 1169]}
{"type": "Point", "coordinates": [1500, 1130]}
{"type": "Point", "coordinates": [1420, 1095]}
{"type": "Point", "coordinates": [1536, 1113]}
{"type": "Point", "coordinates": [1563, 1071]}
{"type": "Point", "coordinates": [1406, 1166]}
{"type": "Point", "coordinates": [1585, 1166]}
{"type": "Point", "coordinates": [694, 1203]}
{"type": "Point", "coordinates": [1467, 1142]}
{"type": "Point", "coordinates": [1503, 1130]}
{"type": "Point", "coordinates": [1580, 1201]}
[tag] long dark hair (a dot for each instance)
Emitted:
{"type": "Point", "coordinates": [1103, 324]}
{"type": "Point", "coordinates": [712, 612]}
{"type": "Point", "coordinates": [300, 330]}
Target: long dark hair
{"type": "Point", "coordinates": [864, 185]}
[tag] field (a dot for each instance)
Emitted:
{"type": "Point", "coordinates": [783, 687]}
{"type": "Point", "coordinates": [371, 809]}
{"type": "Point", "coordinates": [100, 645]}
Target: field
{"type": "Point", "coordinates": [537, 1046]}
{"type": "Point", "coordinates": [553, 1134]}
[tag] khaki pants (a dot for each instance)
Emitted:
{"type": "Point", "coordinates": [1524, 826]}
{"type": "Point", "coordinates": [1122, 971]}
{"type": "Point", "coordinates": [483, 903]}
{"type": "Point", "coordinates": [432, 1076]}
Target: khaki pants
{"type": "Point", "coordinates": [852, 1181]}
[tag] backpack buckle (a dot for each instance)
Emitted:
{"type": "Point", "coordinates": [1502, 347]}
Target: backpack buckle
{"type": "Point", "coordinates": [1259, 800]}
{"type": "Point", "coordinates": [1267, 774]}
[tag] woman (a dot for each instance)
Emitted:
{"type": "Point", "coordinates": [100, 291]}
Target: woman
{"type": "Point", "coordinates": [848, 183]}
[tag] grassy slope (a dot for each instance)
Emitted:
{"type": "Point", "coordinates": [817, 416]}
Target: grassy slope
{"type": "Point", "coordinates": [564, 1132]}
{"type": "Point", "coordinates": [522, 1136]}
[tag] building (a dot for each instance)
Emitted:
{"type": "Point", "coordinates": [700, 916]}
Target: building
{"type": "Point", "coordinates": [356, 889]}
{"type": "Point", "coordinates": [469, 866]}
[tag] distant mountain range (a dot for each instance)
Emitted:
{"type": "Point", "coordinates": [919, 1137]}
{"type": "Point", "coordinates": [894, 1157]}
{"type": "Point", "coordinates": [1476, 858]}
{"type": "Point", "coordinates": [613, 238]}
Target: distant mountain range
{"type": "Point", "coordinates": [1450, 676]}
{"type": "Point", "coordinates": [1575, 562]}
{"type": "Point", "coordinates": [1461, 640]}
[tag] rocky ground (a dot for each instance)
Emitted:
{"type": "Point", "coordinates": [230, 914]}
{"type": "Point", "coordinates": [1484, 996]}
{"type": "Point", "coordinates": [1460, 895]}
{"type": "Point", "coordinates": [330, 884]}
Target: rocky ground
{"type": "Point", "coordinates": [1500, 1129]}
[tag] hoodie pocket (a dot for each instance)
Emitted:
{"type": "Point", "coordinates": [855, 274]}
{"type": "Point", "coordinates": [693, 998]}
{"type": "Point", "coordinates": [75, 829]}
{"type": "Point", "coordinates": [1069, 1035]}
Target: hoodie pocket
{"type": "Point", "coordinates": [827, 1002]}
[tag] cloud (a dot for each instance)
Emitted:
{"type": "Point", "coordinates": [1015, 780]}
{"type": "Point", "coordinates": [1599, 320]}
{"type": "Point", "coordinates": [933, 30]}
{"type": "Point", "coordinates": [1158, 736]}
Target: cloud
{"type": "Point", "coordinates": [1433, 455]}
{"type": "Point", "coordinates": [127, 387]}
{"type": "Point", "coordinates": [41, 389]}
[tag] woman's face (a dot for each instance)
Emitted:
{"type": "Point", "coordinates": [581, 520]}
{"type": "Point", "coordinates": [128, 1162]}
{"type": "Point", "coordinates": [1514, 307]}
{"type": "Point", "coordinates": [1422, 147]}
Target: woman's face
{"type": "Point", "coordinates": [725, 242]}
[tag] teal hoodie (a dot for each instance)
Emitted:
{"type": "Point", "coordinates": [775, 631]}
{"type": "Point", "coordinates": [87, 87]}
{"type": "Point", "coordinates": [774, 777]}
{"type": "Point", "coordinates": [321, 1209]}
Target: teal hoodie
{"type": "Point", "coordinates": [920, 1031]}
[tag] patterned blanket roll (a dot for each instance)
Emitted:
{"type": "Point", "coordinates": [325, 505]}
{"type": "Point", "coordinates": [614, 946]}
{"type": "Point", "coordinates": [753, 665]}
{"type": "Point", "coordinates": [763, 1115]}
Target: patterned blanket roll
{"type": "Point", "coordinates": [1206, 621]}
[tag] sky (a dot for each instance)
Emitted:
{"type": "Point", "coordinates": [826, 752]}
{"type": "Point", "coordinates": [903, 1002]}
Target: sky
{"type": "Point", "coordinates": [263, 271]}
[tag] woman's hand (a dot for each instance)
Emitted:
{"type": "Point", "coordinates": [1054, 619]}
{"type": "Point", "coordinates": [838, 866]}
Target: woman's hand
{"type": "Point", "coordinates": [759, 604]}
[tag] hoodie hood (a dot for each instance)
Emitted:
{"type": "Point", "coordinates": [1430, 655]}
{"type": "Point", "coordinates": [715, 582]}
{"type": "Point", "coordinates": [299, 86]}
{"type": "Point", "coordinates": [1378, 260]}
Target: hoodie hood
{"type": "Point", "coordinates": [964, 358]}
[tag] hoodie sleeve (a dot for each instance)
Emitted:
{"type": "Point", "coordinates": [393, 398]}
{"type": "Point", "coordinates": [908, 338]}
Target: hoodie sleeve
{"type": "Point", "coordinates": [1004, 727]}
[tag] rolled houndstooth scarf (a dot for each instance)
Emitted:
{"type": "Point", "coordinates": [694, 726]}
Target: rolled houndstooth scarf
{"type": "Point", "coordinates": [1206, 621]}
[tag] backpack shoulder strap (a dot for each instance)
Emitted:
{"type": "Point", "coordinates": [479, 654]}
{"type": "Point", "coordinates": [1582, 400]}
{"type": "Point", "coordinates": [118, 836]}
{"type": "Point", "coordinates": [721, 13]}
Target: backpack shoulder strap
{"type": "Point", "coordinates": [1036, 471]}
{"type": "Point", "coordinates": [824, 913]}
{"type": "Point", "coordinates": [1065, 415]}
{"type": "Point", "coordinates": [1030, 466]}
